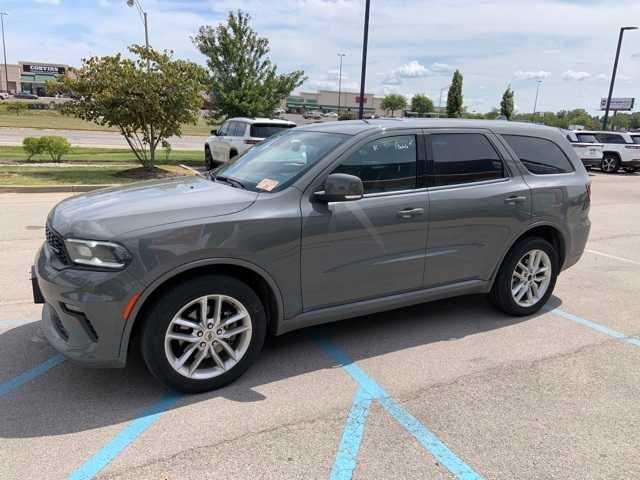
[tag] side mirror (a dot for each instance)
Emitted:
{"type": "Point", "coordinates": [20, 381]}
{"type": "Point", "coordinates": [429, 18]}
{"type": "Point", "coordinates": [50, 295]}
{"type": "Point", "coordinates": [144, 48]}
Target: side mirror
{"type": "Point", "coordinates": [214, 132]}
{"type": "Point", "coordinates": [340, 187]}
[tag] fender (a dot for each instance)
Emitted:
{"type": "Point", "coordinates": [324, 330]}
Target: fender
{"type": "Point", "coordinates": [153, 286]}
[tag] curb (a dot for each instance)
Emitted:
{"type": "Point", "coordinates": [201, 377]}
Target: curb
{"type": "Point", "coordinates": [51, 188]}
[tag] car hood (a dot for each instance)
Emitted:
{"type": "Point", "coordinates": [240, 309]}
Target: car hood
{"type": "Point", "coordinates": [108, 213]}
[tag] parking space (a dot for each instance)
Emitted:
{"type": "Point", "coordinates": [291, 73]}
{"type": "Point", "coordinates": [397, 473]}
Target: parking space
{"type": "Point", "coordinates": [451, 389]}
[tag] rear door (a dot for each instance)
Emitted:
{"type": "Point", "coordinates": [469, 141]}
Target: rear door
{"type": "Point", "coordinates": [478, 204]}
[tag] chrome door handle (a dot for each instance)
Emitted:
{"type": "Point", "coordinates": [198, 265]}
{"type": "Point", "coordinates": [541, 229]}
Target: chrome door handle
{"type": "Point", "coordinates": [513, 199]}
{"type": "Point", "coordinates": [410, 212]}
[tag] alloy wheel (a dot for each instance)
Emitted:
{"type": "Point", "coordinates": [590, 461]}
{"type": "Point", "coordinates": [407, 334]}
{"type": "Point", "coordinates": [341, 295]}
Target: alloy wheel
{"type": "Point", "coordinates": [531, 277]}
{"type": "Point", "coordinates": [609, 164]}
{"type": "Point", "coordinates": [208, 337]}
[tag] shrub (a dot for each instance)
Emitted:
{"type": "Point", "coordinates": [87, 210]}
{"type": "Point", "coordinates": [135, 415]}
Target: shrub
{"type": "Point", "coordinates": [166, 146]}
{"type": "Point", "coordinates": [17, 107]}
{"type": "Point", "coordinates": [32, 146]}
{"type": "Point", "coordinates": [56, 147]}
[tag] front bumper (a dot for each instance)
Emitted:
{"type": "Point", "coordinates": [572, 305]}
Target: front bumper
{"type": "Point", "coordinates": [591, 162]}
{"type": "Point", "coordinates": [82, 313]}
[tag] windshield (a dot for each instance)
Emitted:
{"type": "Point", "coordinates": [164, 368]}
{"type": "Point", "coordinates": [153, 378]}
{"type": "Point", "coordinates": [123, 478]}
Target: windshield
{"type": "Point", "coordinates": [275, 163]}
{"type": "Point", "coordinates": [586, 138]}
{"type": "Point", "coordinates": [267, 130]}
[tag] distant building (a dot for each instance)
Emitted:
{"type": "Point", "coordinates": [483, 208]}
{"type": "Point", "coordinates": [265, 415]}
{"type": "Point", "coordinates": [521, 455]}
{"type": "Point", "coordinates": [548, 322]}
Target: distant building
{"type": "Point", "coordinates": [30, 76]}
{"type": "Point", "coordinates": [327, 101]}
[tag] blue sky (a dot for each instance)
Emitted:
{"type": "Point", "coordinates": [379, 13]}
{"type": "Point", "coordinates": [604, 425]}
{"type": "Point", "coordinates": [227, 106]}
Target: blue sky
{"type": "Point", "coordinates": [414, 44]}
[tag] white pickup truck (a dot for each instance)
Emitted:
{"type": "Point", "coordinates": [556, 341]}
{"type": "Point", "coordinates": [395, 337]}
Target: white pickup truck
{"type": "Point", "coordinates": [586, 145]}
{"type": "Point", "coordinates": [620, 151]}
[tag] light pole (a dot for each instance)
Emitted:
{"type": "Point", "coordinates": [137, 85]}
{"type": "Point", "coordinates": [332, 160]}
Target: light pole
{"type": "Point", "coordinates": [363, 72]}
{"type": "Point", "coordinates": [4, 49]}
{"type": "Point", "coordinates": [143, 15]}
{"type": "Point", "coordinates": [613, 76]}
{"type": "Point", "coordinates": [340, 82]}
{"type": "Point", "coordinates": [440, 101]}
{"type": "Point", "coordinates": [535, 102]}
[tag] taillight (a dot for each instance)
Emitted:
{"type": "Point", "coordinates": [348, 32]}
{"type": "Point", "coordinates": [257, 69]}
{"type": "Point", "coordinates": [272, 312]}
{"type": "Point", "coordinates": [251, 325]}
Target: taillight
{"type": "Point", "coordinates": [252, 142]}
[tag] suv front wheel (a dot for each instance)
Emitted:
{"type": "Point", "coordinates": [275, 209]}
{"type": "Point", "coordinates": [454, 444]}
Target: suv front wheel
{"type": "Point", "coordinates": [610, 163]}
{"type": "Point", "coordinates": [203, 333]}
{"type": "Point", "coordinates": [526, 278]}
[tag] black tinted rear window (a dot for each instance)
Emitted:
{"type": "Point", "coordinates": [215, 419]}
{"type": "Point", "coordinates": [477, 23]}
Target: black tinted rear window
{"type": "Point", "coordinates": [636, 138]}
{"type": "Point", "coordinates": [266, 130]}
{"type": "Point", "coordinates": [586, 138]}
{"type": "Point", "coordinates": [610, 138]}
{"type": "Point", "coordinates": [538, 155]}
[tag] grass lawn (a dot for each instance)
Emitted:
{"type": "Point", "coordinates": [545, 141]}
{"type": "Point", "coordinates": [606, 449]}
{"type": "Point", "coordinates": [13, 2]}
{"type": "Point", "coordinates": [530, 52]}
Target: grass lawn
{"type": "Point", "coordinates": [104, 155]}
{"type": "Point", "coordinates": [55, 120]}
{"type": "Point", "coordinates": [31, 176]}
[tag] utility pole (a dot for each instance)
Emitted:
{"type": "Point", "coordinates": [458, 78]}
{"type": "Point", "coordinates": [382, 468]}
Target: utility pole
{"type": "Point", "coordinates": [143, 14]}
{"type": "Point", "coordinates": [613, 76]}
{"type": "Point", "coordinates": [340, 82]}
{"type": "Point", "coordinates": [535, 102]}
{"type": "Point", "coordinates": [4, 48]}
{"type": "Point", "coordinates": [363, 72]}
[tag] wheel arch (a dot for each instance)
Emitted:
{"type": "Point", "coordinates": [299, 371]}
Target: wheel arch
{"type": "Point", "coordinates": [613, 153]}
{"type": "Point", "coordinates": [257, 278]}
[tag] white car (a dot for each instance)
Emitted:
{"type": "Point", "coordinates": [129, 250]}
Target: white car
{"type": "Point", "coordinates": [620, 151]}
{"type": "Point", "coordinates": [587, 147]}
{"type": "Point", "coordinates": [237, 135]}
{"type": "Point", "coordinates": [330, 115]}
{"type": "Point", "coordinates": [4, 95]}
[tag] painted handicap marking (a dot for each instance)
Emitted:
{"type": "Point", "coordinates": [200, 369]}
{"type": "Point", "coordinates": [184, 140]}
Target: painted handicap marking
{"type": "Point", "coordinates": [368, 389]}
{"type": "Point", "coordinates": [594, 326]}
{"type": "Point", "coordinates": [35, 372]}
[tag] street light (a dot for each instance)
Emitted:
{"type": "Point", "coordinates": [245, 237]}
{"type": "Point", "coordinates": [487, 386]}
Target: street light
{"type": "Point", "coordinates": [535, 102]}
{"type": "Point", "coordinates": [4, 48]}
{"type": "Point", "coordinates": [363, 72]}
{"type": "Point", "coordinates": [440, 101]}
{"type": "Point", "coordinates": [613, 76]}
{"type": "Point", "coordinates": [340, 81]}
{"type": "Point", "coordinates": [143, 15]}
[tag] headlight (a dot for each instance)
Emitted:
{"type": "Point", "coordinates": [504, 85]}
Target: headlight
{"type": "Point", "coordinates": [97, 254]}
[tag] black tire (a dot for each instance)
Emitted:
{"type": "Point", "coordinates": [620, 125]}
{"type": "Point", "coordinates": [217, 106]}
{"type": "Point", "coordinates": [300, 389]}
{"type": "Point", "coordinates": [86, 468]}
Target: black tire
{"type": "Point", "coordinates": [232, 154]}
{"type": "Point", "coordinates": [208, 159]}
{"type": "Point", "coordinates": [501, 295]}
{"type": "Point", "coordinates": [159, 317]}
{"type": "Point", "coordinates": [610, 163]}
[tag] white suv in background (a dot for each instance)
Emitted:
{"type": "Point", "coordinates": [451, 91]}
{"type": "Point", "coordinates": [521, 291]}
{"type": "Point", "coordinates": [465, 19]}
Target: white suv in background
{"type": "Point", "coordinates": [237, 135]}
{"type": "Point", "coordinates": [586, 146]}
{"type": "Point", "coordinates": [619, 151]}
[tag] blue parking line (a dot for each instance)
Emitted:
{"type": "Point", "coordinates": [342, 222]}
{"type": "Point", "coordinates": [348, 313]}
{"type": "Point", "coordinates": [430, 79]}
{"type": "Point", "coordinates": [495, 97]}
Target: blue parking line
{"type": "Point", "coordinates": [29, 375]}
{"type": "Point", "coordinates": [347, 456]}
{"type": "Point", "coordinates": [596, 326]}
{"type": "Point", "coordinates": [124, 438]}
{"type": "Point", "coordinates": [422, 434]}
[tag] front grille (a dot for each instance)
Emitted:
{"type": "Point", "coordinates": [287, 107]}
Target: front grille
{"type": "Point", "coordinates": [56, 244]}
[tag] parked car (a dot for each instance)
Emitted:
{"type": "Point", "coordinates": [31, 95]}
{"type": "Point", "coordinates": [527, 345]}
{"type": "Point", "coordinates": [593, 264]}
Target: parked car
{"type": "Point", "coordinates": [279, 111]}
{"type": "Point", "coordinates": [319, 223]}
{"type": "Point", "coordinates": [4, 95]}
{"type": "Point", "coordinates": [25, 96]}
{"type": "Point", "coordinates": [635, 137]}
{"type": "Point", "coordinates": [330, 115]}
{"type": "Point", "coordinates": [312, 114]}
{"type": "Point", "coordinates": [619, 151]}
{"type": "Point", "coordinates": [587, 147]}
{"type": "Point", "coordinates": [237, 135]}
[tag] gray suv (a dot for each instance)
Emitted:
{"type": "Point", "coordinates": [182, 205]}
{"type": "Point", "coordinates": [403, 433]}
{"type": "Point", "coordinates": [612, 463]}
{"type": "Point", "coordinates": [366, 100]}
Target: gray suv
{"type": "Point", "coordinates": [316, 224]}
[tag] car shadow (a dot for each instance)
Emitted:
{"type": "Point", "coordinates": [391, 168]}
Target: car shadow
{"type": "Point", "coordinates": [70, 399]}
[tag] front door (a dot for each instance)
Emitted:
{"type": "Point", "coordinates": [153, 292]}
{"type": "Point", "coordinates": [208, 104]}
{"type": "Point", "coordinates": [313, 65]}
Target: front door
{"type": "Point", "coordinates": [478, 204]}
{"type": "Point", "coordinates": [375, 246]}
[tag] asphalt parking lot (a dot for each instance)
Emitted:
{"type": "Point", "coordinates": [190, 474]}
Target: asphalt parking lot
{"type": "Point", "coordinates": [451, 389]}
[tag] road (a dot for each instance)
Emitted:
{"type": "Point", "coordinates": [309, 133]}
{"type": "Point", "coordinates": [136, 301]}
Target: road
{"type": "Point", "coordinates": [82, 138]}
{"type": "Point", "coordinates": [465, 388]}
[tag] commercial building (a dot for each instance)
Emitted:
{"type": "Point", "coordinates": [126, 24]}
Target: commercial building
{"type": "Point", "coordinates": [327, 101]}
{"type": "Point", "coordinates": [30, 76]}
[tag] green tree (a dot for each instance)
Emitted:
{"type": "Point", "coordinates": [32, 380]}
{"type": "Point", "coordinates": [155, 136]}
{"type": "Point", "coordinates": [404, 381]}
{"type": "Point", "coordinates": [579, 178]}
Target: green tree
{"type": "Point", "coordinates": [17, 107]}
{"type": "Point", "coordinates": [147, 98]}
{"type": "Point", "coordinates": [421, 104]}
{"type": "Point", "coordinates": [454, 98]}
{"type": "Point", "coordinates": [393, 102]}
{"type": "Point", "coordinates": [507, 105]}
{"type": "Point", "coordinates": [243, 81]}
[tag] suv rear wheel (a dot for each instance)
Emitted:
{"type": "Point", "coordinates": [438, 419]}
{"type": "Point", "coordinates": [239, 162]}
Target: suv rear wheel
{"type": "Point", "coordinates": [204, 333]}
{"type": "Point", "coordinates": [610, 163]}
{"type": "Point", "coordinates": [526, 278]}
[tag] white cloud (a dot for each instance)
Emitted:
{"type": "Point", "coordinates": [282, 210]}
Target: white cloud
{"type": "Point", "coordinates": [531, 75]}
{"type": "Point", "coordinates": [48, 2]}
{"type": "Point", "coordinates": [330, 82]}
{"type": "Point", "coordinates": [575, 76]}
{"type": "Point", "coordinates": [413, 69]}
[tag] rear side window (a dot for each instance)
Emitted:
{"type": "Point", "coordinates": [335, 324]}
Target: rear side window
{"type": "Point", "coordinates": [240, 129]}
{"type": "Point", "coordinates": [384, 165]}
{"type": "Point", "coordinates": [610, 138]}
{"type": "Point", "coordinates": [636, 138]}
{"type": "Point", "coordinates": [460, 158]}
{"type": "Point", "coordinates": [538, 155]}
{"type": "Point", "coordinates": [586, 138]}
{"type": "Point", "coordinates": [267, 130]}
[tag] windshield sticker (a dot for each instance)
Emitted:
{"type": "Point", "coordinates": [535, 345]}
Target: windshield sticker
{"type": "Point", "coordinates": [267, 184]}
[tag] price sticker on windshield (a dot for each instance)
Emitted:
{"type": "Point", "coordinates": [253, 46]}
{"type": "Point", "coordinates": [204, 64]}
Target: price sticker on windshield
{"type": "Point", "coordinates": [267, 184]}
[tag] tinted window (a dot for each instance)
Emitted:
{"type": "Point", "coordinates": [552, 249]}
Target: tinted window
{"type": "Point", "coordinates": [384, 165]}
{"type": "Point", "coordinates": [240, 129]}
{"type": "Point", "coordinates": [636, 138]}
{"type": "Point", "coordinates": [232, 129]}
{"type": "Point", "coordinates": [587, 138]}
{"type": "Point", "coordinates": [610, 138]}
{"type": "Point", "coordinates": [222, 131]}
{"type": "Point", "coordinates": [267, 130]}
{"type": "Point", "coordinates": [464, 158]}
{"type": "Point", "coordinates": [539, 156]}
